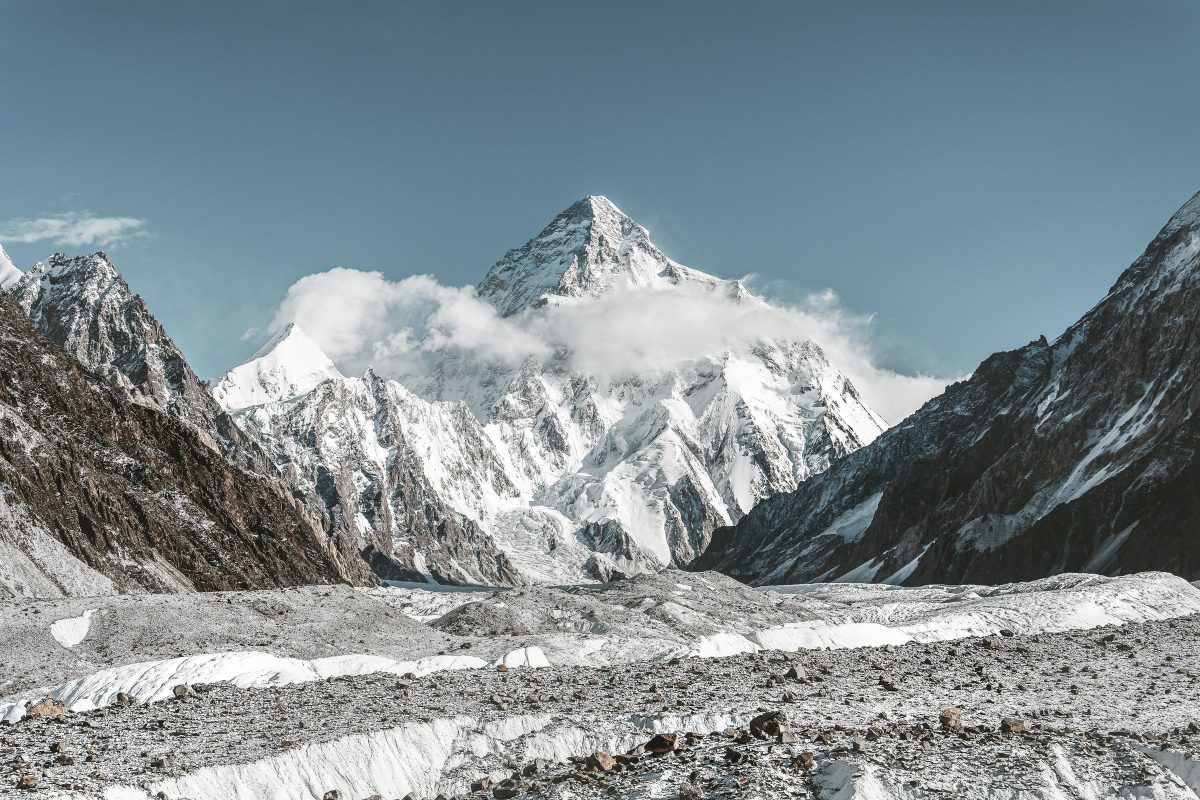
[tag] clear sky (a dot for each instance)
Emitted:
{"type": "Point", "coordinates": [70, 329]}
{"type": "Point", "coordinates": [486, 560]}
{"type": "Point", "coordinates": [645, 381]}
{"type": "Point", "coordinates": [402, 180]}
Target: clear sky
{"type": "Point", "coordinates": [974, 174]}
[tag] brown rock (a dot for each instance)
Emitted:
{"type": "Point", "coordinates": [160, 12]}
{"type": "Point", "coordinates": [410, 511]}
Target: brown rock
{"type": "Point", "coordinates": [951, 720]}
{"type": "Point", "coordinates": [661, 744]}
{"type": "Point", "coordinates": [1014, 725]}
{"type": "Point", "coordinates": [47, 709]}
{"type": "Point", "coordinates": [602, 761]}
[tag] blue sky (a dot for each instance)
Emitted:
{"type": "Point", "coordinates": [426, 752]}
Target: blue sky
{"type": "Point", "coordinates": [973, 174]}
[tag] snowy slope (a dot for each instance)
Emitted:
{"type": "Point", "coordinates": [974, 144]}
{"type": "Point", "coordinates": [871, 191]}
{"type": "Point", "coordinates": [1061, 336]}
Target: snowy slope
{"type": "Point", "coordinates": [287, 366]}
{"type": "Point", "coordinates": [575, 476]}
{"type": "Point", "coordinates": [9, 273]}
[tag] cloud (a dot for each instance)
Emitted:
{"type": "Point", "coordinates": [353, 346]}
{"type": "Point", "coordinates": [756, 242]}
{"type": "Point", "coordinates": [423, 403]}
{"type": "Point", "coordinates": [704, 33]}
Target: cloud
{"type": "Point", "coordinates": [363, 319]}
{"type": "Point", "coordinates": [73, 229]}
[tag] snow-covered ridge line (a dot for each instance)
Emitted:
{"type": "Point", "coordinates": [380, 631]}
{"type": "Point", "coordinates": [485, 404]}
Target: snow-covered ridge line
{"type": "Point", "coordinates": [153, 681]}
{"type": "Point", "coordinates": [442, 755]}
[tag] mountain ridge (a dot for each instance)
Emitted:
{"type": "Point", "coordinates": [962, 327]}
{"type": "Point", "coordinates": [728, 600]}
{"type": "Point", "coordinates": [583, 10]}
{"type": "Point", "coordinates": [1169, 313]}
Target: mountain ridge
{"type": "Point", "coordinates": [1066, 455]}
{"type": "Point", "coordinates": [101, 494]}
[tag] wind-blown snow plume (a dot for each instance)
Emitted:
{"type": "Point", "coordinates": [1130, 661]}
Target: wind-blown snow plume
{"type": "Point", "coordinates": [363, 319]}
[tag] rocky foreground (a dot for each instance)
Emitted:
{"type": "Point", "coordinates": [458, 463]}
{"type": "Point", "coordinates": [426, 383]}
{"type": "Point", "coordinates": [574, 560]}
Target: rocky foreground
{"type": "Point", "coordinates": [1106, 712]}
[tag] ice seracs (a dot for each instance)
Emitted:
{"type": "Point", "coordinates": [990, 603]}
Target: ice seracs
{"type": "Point", "coordinates": [472, 471]}
{"type": "Point", "coordinates": [287, 366]}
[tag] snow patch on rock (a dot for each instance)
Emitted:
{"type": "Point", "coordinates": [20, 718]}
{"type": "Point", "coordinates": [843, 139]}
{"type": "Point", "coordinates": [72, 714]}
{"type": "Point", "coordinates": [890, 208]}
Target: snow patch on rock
{"type": "Point", "coordinates": [73, 630]}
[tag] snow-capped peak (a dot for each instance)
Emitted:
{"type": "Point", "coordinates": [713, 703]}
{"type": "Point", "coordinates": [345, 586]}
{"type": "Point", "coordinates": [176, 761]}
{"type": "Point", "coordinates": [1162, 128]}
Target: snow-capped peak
{"type": "Point", "coordinates": [586, 250]}
{"type": "Point", "coordinates": [84, 278]}
{"type": "Point", "coordinates": [287, 366]}
{"type": "Point", "coordinates": [9, 274]}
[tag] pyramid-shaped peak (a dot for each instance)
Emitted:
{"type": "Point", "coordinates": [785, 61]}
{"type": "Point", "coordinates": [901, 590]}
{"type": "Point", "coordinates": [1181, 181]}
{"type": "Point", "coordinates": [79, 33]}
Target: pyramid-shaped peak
{"type": "Point", "coordinates": [1188, 216]}
{"type": "Point", "coordinates": [288, 365]}
{"type": "Point", "coordinates": [289, 337]}
{"type": "Point", "coordinates": [593, 215]}
{"type": "Point", "coordinates": [587, 249]}
{"type": "Point", "coordinates": [9, 272]}
{"type": "Point", "coordinates": [595, 205]}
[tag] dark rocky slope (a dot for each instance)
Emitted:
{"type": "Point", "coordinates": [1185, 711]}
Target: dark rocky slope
{"type": "Point", "coordinates": [99, 493]}
{"type": "Point", "coordinates": [1072, 455]}
{"type": "Point", "coordinates": [83, 305]}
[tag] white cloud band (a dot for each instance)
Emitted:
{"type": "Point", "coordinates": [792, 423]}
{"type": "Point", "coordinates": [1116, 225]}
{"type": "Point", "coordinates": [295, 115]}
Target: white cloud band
{"type": "Point", "coordinates": [73, 230]}
{"type": "Point", "coordinates": [363, 319]}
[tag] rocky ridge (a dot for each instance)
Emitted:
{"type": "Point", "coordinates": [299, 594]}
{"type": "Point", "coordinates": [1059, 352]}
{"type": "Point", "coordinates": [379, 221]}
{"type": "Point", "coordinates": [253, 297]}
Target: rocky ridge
{"type": "Point", "coordinates": [101, 494]}
{"type": "Point", "coordinates": [1073, 455]}
{"type": "Point", "coordinates": [83, 305]}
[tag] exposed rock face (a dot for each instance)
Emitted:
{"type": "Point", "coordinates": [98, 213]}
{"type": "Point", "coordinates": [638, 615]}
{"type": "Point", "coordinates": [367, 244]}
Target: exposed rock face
{"type": "Point", "coordinates": [1072, 455]}
{"type": "Point", "coordinates": [100, 494]}
{"type": "Point", "coordinates": [480, 473]}
{"type": "Point", "coordinates": [84, 306]}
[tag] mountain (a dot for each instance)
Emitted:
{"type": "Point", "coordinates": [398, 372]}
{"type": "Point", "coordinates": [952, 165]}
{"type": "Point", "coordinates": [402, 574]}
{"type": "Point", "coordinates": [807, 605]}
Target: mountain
{"type": "Point", "coordinates": [479, 472]}
{"type": "Point", "coordinates": [1073, 455]}
{"type": "Point", "coordinates": [100, 494]}
{"type": "Point", "coordinates": [587, 249]}
{"type": "Point", "coordinates": [85, 306]}
{"type": "Point", "coordinates": [287, 366]}
{"type": "Point", "coordinates": [9, 274]}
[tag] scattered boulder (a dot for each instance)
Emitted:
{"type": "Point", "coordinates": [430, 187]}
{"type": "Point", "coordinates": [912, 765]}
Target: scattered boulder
{"type": "Point", "coordinates": [183, 691]}
{"type": "Point", "coordinates": [662, 743]}
{"type": "Point", "coordinates": [602, 761]}
{"type": "Point", "coordinates": [769, 724]}
{"type": "Point", "coordinates": [1014, 725]}
{"type": "Point", "coordinates": [951, 720]}
{"type": "Point", "coordinates": [48, 708]}
{"type": "Point", "coordinates": [990, 642]}
{"type": "Point", "coordinates": [332, 794]}
{"type": "Point", "coordinates": [796, 673]}
{"type": "Point", "coordinates": [29, 780]}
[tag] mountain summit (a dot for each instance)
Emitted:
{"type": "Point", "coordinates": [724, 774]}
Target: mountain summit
{"type": "Point", "coordinates": [288, 365]}
{"type": "Point", "coordinates": [83, 305]}
{"type": "Point", "coordinates": [9, 273]}
{"type": "Point", "coordinates": [477, 472]}
{"type": "Point", "coordinates": [591, 247]}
